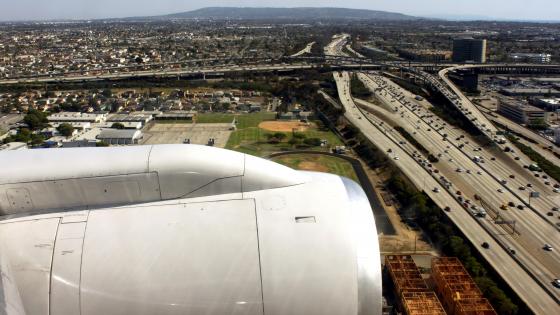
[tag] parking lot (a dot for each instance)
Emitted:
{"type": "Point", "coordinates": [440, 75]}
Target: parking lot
{"type": "Point", "coordinates": [165, 133]}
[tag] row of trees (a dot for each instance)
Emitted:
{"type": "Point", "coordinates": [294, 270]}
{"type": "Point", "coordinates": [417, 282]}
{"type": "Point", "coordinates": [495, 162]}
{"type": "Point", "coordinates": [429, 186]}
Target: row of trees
{"type": "Point", "coordinates": [548, 167]}
{"type": "Point", "coordinates": [297, 139]}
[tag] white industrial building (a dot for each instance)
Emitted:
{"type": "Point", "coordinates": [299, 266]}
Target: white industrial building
{"type": "Point", "coordinates": [74, 117]}
{"type": "Point", "coordinates": [530, 58]}
{"type": "Point", "coordinates": [120, 136]}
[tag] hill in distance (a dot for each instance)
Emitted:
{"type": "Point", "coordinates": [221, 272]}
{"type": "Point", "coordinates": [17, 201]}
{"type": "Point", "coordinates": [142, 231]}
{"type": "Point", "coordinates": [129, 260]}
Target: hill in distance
{"type": "Point", "coordinates": [302, 13]}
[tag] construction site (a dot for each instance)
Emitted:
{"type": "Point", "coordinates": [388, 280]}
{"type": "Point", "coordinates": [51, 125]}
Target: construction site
{"type": "Point", "coordinates": [457, 290]}
{"type": "Point", "coordinates": [411, 291]}
{"type": "Point", "coordinates": [454, 292]}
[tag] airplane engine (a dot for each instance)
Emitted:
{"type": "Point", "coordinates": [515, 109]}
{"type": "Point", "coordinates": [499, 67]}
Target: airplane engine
{"type": "Point", "coordinates": [181, 229]}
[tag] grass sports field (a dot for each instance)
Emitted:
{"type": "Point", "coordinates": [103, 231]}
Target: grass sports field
{"type": "Point", "coordinates": [254, 140]}
{"type": "Point", "coordinates": [253, 132]}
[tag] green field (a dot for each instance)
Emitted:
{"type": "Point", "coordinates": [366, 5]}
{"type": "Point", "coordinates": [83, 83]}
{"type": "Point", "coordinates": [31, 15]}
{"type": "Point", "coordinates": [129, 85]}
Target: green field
{"type": "Point", "coordinates": [250, 139]}
{"type": "Point", "coordinates": [320, 163]}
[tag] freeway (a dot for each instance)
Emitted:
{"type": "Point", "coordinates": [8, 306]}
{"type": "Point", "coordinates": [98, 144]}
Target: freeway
{"type": "Point", "coordinates": [306, 50]}
{"type": "Point", "coordinates": [181, 72]}
{"type": "Point", "coordinates": [336, 46]}
{"type": "Point", "coordinates": [501, 164]}
{"type": "Point", "coordinates": [512, 272]}
{"type": "Point", "coordinates": [479, 120]}
{"type": "Point", "coordinates": [541, 145]}
{"type": "Point", "coordinates": [473, 180]}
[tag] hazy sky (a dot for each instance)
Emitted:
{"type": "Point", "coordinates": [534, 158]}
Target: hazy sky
{"type": "Point", "coordinates": [85, 9]}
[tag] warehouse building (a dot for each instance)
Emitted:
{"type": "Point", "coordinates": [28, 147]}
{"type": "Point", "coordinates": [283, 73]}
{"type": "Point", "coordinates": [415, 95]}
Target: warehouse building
{"type": "Point", "coordinates": [120, 136]}
{"type": "Point", "coordinates": [548, 104]}
{"type": "Point", "coordinates": [176, 115]}
{"type": "Point", "coordinates": [71, 117]}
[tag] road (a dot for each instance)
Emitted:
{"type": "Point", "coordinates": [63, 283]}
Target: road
{"type": "Point", "coordinates": [481, 180]}
{"type": "Point", "coordinates": [185, 72]}
{"type": "Point", "coordinates": [520, 281]}
{"type": "Point", "coordinates": [306, 50]}
{"type": "Point", "coordinates": [336, 46]}
{"type": "Point", "coordinates": [541, 142]}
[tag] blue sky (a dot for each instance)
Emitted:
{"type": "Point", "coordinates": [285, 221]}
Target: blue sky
{"type": "Point", "coordinates": [86, 9]}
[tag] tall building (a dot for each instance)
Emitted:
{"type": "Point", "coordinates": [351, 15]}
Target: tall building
{"type": "Point", "coordinates": [469, 49]}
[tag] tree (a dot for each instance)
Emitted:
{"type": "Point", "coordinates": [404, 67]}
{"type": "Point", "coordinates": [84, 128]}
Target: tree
{"type": "Point", "coordinates": [275, 138]}
{"type": "Point", "coordinates": [314, 142]}
{"type": "Point", "coordinates": [65, 129]}
{"type": "Point", "coordinates": [117, 125]}
{"type": "Point", "coordinates": [279, 135]}
{"type": "Point", "coordinates": [538, 124]}
{"type": "Point", "coordinates": [36, 119]}
{"type": "Point", "coordinates": [107, 93]}
{"type": "Point", "coordinates": [101, 144]}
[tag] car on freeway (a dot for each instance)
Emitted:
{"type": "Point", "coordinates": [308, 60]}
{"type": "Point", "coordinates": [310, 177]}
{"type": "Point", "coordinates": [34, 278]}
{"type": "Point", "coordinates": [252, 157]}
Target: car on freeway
{"type": "Point", "coordinates": [522, 188]}
{"type": "Point", "coordinates": [556, 283]}
{"type": "Point", "coordinates": [512, 176]}
{"type": "Point", "coordinates": [396, 158]}
{"type": "Point", "coordinates": [555, 209]}
{"type": "Point", "coordinates": [520, 207]}
{"type": "Point", "coordinates": [485, 245]}
{"type": "Point", "coordinates": [548, 248]}
{"type": "Point", "coordinates": [511, 250]}
{"type": "Point", "coordinates": [447, 208]}
{"type": "Point", "coordinates": [556, 190]}
{"type": "Point", "coordinates": [529, 185]}
{"type": "Point", "coordinates": [436, 189]}
{"type": "Point", "coordinates": [500, 190]}
{"type": "Point", "coordinates": [459, 170]}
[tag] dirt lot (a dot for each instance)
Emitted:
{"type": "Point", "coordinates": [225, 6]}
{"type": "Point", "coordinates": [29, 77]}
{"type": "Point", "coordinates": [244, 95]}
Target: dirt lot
{"type": "Point", "coordinates": [177, 133]}
{"type": "Point", "coordinates": [286, 126]}
{"type": "Point", "coordinates": [312, 166]}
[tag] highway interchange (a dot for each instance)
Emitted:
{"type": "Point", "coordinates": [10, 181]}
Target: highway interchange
{"type": "Point", "coordinates": [541, 296]}
{"type": "Point", "coordinates": [484, 191]}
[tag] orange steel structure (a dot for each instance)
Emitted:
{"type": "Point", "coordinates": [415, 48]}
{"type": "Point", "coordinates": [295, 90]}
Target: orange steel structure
{"type": "Point", "coordinates": [422, 303]}
{"type": "Point", "coordinates": [458, 292]}
{"type": "Point", "coordinates": [410, 287]}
